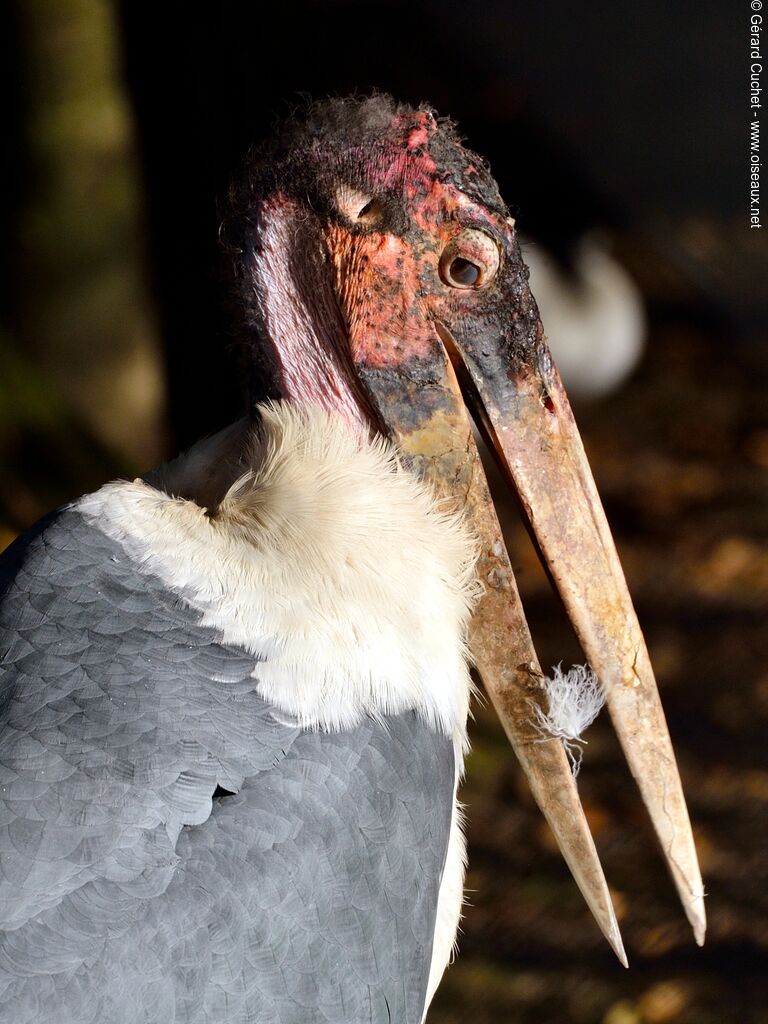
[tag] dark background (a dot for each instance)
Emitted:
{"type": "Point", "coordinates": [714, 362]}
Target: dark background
{"type": "Point", "coordinates": [123, 124]}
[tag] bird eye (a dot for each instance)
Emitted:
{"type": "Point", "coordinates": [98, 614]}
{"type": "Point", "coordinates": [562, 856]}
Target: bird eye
{"type": "Point", "coordinates": [462, 273]}
{"type": "Point", "coordinates": [470, 260]}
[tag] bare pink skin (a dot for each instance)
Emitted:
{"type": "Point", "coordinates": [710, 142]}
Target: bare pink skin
{"type": "Point", "coordinates": [377, 306]}
{"type": "Point", "coordinates": [389, 287]}
{"type": "Point", "coordinates": [302, 318]}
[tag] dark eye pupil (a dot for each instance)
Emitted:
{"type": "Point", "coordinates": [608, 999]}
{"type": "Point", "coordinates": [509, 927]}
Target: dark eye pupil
{"type": "Point", "coordinates": [463, 272]}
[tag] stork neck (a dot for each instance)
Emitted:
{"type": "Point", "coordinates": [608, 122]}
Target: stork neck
{"type": "Point", "coordinates": [302, 324]}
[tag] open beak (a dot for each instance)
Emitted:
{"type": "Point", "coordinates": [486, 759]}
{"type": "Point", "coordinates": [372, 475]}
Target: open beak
{"type": "Point", "coordinates": [526, 419]}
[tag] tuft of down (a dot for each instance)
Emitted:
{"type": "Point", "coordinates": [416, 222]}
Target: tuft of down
{"type": "Point", "coordinates": [575, 699]}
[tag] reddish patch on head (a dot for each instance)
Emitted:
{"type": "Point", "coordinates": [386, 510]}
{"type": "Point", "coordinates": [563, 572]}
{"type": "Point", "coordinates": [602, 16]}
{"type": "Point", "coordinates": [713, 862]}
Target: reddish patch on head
{"type": "Point", "coordinates": [423, 127]}
{"type": "Point", "coordinates": [378, 282]}
{"type": "Point", "coordinates": [390, 191]}
{"type": "Point", "coordinates": [386, 271]}
{"type": "Point", "coordinates": [389, 286]}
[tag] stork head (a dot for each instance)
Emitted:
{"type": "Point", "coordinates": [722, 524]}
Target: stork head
{"type": "Point", "coordinates": [382, 278]}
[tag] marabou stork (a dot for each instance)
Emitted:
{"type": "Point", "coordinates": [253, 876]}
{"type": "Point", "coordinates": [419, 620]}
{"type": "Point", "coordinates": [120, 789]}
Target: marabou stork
{"type": "Point", "coordinates": [235, 692]}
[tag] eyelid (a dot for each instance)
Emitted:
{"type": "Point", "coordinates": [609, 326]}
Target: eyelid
{"type": "Point", "coordinates": [494, 226]}
{"type": "Point", "coordinates": [496, 232]}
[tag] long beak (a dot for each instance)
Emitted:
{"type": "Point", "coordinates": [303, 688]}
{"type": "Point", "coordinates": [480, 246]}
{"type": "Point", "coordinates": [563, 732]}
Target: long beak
{"type": "Point", "coordinates": [531, 429]}
{"type": "Point", "coordinates": [529, 424]}
{"type": "Point", "coordinates": [428, 419]}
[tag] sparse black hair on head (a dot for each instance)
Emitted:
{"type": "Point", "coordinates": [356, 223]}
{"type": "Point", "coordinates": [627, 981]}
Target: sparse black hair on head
{"type": "Point", "coordinates": [353, 120]}
{"type": "Point", "coordinates": [308, 150]}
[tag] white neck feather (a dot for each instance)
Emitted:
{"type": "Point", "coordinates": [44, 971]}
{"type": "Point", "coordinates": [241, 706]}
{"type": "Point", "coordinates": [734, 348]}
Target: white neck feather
{"type": "Point", "coordinates": [324, 557]}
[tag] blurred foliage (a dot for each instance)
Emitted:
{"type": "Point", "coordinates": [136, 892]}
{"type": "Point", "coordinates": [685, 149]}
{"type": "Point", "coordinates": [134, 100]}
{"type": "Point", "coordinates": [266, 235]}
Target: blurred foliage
{"type": "Point", "coordinates": [78, 309]}
{"type": "Point", "coordinates": [48, 455]}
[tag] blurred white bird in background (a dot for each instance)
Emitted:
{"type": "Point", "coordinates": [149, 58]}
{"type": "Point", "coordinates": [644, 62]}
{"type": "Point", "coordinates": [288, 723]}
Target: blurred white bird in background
{"type": "Point", "coordinates": [593, 315]}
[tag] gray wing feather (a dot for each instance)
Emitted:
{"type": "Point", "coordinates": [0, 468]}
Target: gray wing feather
{"type": "Point", "coordinates": [126, 893]}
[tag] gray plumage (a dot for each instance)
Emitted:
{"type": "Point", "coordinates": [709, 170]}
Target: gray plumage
{"type": "Point", "coordinates": [128, 891]}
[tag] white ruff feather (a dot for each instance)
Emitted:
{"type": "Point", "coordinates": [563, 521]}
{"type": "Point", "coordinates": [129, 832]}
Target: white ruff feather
{"type": "Point", "coordinates": [324, 557]}
{"type": "Point", "coordinates": [450, 902]}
